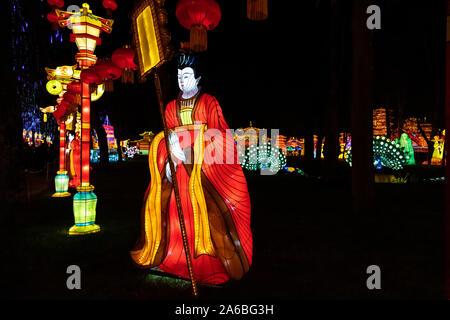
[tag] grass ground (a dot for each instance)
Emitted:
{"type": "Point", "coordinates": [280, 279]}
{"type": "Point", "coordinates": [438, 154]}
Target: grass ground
{"type": "Point", "coordinates": [307, 244]}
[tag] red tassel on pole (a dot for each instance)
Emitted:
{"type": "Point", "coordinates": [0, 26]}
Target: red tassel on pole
{"type": "Point", "coordinates": [257, 9]}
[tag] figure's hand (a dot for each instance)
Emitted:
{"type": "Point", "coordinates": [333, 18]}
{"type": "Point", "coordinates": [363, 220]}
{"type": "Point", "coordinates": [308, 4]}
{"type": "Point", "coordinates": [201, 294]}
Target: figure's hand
{"type": "Point", "coordinates": [168, 172]}
{"type": "Point", "coordinates": [175, 147]}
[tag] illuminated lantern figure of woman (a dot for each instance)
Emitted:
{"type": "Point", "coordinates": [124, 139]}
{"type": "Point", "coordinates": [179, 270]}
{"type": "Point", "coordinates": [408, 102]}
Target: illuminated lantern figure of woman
{"type": "Point", "coordinates": [214, 195]}
{"type": "Point", "coordinates": [438, 152]}
{"type": "Point", "coordinates": [73, 159]}
{"type": "Point", "coordinates": [406, 143]}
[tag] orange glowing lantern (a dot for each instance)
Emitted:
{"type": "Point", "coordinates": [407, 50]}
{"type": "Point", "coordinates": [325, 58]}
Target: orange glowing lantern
{"type": "Point", "coordinates": [199, 16]}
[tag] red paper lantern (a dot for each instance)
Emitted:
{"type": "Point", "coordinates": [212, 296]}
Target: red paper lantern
{"type": "Point", "coordinates": [107, 70]}
{"type": "Point", "coordinates": [123, 58]}
{"type": "Point", "coordinates": [56, 3]}
{"type": "Point", "coordinates": [68, 97]}
{"type": "Point", "coordinates": [110, 4]}
{"type": "Point", "coordinates": [198, 16]}
{"type": "Point", "coordinates": [52, 17]}
{"type": "Point", "coordinates": [59, 112]}
{"type": "Point", "coordinates": [74, 87]}
{"type": "Point", "coordinates": [90, 76]}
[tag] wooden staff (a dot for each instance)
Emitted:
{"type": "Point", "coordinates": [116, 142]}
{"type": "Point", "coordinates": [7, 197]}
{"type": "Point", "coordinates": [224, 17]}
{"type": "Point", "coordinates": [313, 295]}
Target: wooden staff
{"type": "Point", "coordinates": [175, 184]}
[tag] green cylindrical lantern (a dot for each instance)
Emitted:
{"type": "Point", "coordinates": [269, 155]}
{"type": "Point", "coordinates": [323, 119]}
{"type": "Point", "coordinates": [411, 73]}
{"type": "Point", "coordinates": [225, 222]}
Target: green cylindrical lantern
{"type": "Point", "coordinates": [61, 185]}
{"type": "Point", "coordinates": [84, 210]}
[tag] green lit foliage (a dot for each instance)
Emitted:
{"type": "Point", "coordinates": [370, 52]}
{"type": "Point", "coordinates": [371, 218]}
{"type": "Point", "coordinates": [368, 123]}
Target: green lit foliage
{"type": "Point", "coordinates": [386, 153]}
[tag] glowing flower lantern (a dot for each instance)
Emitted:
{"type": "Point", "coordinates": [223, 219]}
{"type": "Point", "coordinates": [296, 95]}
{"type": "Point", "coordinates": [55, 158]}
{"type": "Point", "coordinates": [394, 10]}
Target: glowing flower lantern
{"type": "Point", "coordinates": [124, 59]}
{"type": "Point", "coordinates": [199, 16]}
{"type": "Point", "coordinates": [257, 9]}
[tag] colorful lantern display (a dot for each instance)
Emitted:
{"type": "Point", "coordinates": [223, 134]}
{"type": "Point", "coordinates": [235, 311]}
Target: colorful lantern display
{"type": "Point", "coordinates": [211, 219]}
{"type": "Point", "coordinates": [111, 140]}
{"type": "Point", "coordinates": [257, 9]}
{"type": "Point", "coordinates": [386, 154]}
{"type": "Point", "coordinates": [84, 209]}
{"type": "Point", "coordinates": [198, 16]}
{"type": "Point", "coordinates": [264, 157]}
{"type": "Point", "coordinates": [406, 143]}
{"type": "Point", "coordinates": [438, 151]}
{"type": "Point", "coordinates": [143, 144]}
{"type": "Point", "coordinates": [294, 147]}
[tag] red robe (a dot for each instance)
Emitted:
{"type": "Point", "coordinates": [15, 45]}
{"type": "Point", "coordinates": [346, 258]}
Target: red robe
{"type": "Point", "coordinates": [74, 163]}
{"type": "Point", "coordinates": [224, 243]}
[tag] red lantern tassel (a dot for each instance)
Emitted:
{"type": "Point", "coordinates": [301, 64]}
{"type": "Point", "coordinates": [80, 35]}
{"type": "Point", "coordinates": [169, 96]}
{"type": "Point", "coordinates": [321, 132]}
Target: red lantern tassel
{"type": "Point", "coordinates": [78, 99]}
{"type": "Point", "coordinates": [109, 85]}
{"type": "Point", "coordinates": [257, 10]}
{"type": "Point", "coordinates": [127, 76]}
{"type": "Point", "coordinates": [199, 38]}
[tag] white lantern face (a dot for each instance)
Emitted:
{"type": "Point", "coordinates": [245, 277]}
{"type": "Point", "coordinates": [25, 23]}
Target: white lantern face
{"type": "Point", "coordinates": [186, 80]}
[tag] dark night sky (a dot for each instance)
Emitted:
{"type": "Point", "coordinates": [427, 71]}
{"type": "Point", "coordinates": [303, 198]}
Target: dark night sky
{"type": "Point", "coordinates": [275, 72]}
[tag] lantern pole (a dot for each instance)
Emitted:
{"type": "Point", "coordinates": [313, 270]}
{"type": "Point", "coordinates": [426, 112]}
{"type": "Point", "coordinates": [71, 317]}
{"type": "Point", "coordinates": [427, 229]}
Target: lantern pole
{"type": "Point", "coordinates": [86, 34]}
{"type": "Point", "coordinates": [61, 178]}
{"type": "Point", "coordinates": [175, 185]}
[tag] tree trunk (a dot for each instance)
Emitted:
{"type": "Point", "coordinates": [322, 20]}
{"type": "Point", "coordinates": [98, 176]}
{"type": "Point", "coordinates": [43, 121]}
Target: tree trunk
{"type": "Point", "coordinates": [362, 126]}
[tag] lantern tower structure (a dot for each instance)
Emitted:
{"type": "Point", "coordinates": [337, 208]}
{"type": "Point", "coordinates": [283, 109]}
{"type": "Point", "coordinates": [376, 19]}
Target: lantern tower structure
{"type": "Point", "coordinates": [86, 29]}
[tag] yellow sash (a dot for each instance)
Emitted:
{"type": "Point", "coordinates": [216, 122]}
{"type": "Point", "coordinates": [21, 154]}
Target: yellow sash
{"type": "Point", "coordinates": [152, 220]}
